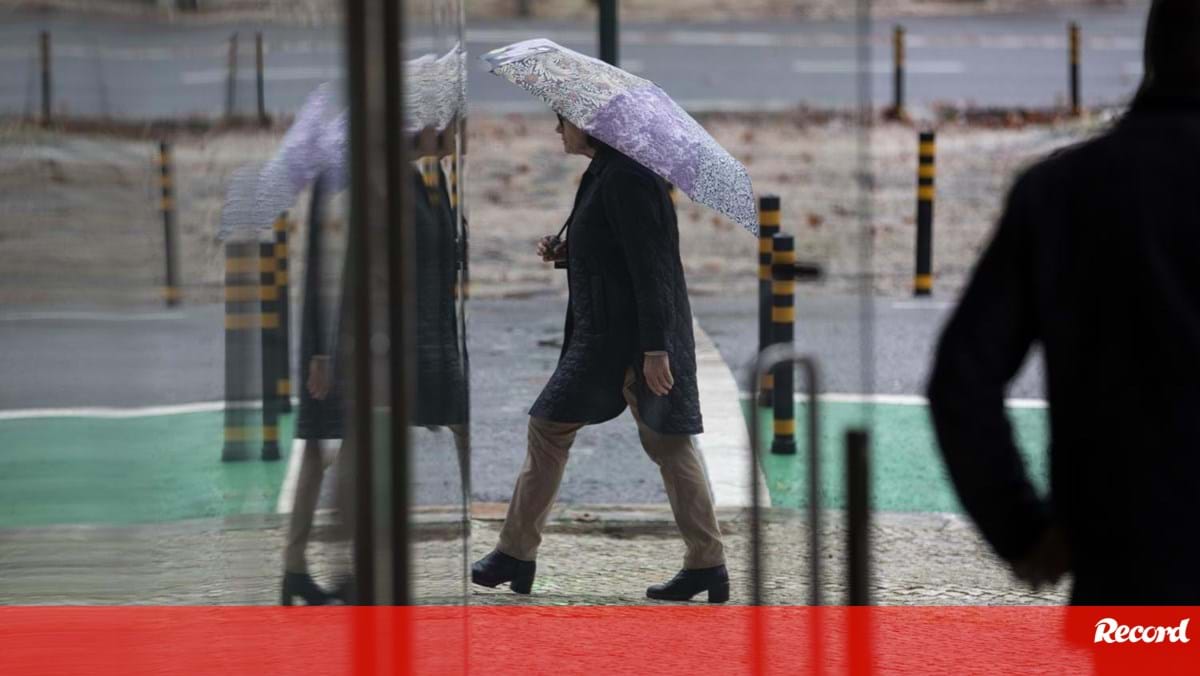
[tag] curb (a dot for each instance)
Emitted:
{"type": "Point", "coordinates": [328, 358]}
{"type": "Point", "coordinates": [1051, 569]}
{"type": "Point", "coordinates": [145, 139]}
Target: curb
{"type": "Point", "coordinates": [725, 444]}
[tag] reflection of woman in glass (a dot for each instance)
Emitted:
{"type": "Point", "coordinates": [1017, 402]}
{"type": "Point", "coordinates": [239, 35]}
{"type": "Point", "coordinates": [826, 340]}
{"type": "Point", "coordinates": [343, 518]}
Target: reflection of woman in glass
{"type": "Point", "coordinates": [320, 416]}
{"type": "Point", "coordinates": [628, 343]}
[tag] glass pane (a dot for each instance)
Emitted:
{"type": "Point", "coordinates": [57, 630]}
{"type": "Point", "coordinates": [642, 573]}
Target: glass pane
{"type": "Point", "coordinates": [170, 277]}
{"type": "Point", "coordinates": [435, 73]}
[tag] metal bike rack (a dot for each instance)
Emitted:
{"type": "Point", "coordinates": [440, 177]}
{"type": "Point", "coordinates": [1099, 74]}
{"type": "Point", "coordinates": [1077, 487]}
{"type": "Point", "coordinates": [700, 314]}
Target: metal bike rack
{"type": "Point", "coordinates": [764, 363]}
{"type": "Point", "coordinates": [857, 515]}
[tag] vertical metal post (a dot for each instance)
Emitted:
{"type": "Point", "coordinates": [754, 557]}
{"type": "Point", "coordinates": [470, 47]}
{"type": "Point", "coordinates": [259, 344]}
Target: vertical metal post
{"type": "Point", "coordinates": [241, 319]}
{"type": "Point", "coordinates": [783, 318]}
{"type": "Point", "coordinates": [858, 516]}
{"type": "Point", "coordinates": [858, 550]}
{"type": "Point", "coordinates": [171, 292]}
{"type": "Point", "coordinates": [769, 220]}
{"type": "Point", "coordinates": [1074, 56]}
{"type": "Point", "coordinates": [898, 55]}
{"type": "Point", "coordinates": [269, 298]}
{"type": "Point", "coordinates": [47, 84]}
{"type": "Point", "coordinates": [926, 171]}
{"type": "Point", "coordinates": [382, 306]}
{"type": "Point", "coordinates": [282, 385]}
{"type": "Point", "coordinates": [231, 77]}
{"type": "Point", "coordinates": [258, 78]}
{"type": "Point", "coordinates": [608, 32]}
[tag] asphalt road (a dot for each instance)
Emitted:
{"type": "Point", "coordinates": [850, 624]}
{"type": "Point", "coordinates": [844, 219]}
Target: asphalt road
{"type": "Point", "coordinates": [66, 358]}
{"type": "Point", "coordinates": [135, 69]}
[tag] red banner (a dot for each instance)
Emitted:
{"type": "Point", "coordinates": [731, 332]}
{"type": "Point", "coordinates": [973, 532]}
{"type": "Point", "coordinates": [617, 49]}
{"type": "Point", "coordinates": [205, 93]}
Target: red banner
{"type": "Point", "coordinates": [687, 639]}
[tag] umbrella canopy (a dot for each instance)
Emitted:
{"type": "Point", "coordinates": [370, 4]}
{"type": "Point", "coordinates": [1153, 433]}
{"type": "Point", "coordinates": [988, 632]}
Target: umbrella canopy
{"type": "Point", "coordinates": [634, 116]}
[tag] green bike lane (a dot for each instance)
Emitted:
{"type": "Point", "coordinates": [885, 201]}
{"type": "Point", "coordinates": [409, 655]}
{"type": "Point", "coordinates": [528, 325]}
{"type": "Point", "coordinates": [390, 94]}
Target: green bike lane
{"type": "Point", "coordinates": [907, 473]}
{"type": "Point", "coordinates": [79, 470]}
{"type": "Point", "coordinates": [129, 469]}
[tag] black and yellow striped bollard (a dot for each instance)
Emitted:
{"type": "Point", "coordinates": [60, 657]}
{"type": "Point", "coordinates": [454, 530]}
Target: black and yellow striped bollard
{"type": "Point", "coordinates": [270, 335]}
{"type": "Point", "coordinates": [283, 382]}
{"type": "Point", "coordinates": [171, 292]}
{"type": "Point", "coordinates": [898, 75]}
{"type": "Point", "coordinates": [1074, 56]}
{"type": "Point", "coordinates": [926, 171]}
{"type": "Point", "coordinates": [783, 320]}
{"type": "Point", "coordinates": [241, 320]}
{"type": "Point", "coordinates": [769, 220]}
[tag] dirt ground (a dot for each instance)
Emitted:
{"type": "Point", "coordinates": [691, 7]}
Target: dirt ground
{"type": "Point", "coordinates": [81, 224]}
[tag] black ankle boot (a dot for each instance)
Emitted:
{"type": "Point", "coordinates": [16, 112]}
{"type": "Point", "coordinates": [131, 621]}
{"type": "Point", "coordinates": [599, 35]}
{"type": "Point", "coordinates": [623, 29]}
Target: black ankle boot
{"type": "Point", "coordinates": [497, 568]}
{"type": "Point", "coordinates": [302, 585]}
{"type": "Point", "coordinates": [688, 583]}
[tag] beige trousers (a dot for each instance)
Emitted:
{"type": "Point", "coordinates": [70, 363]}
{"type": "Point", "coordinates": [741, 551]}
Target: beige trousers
{"type": "Point", "coordinates": [682, 471]}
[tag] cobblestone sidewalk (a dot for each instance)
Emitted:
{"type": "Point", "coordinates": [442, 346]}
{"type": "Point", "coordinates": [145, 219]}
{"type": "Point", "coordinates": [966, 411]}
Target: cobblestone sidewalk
{"type": "Point", "coordinates": [591, 556]}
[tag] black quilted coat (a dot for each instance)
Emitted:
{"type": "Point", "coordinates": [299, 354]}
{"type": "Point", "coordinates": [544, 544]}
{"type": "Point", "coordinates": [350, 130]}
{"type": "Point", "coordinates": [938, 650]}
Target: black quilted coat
{"type": "Point", "coordinates": [627, 297]}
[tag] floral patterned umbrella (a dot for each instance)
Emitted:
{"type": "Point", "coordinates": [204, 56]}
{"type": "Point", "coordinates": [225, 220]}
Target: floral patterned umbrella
{"type": "Point", "coordinates": [634, 116]}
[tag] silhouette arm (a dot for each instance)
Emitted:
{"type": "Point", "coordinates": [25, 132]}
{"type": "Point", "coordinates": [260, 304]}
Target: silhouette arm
{"type": "Point", "coordinates": [980, 351]}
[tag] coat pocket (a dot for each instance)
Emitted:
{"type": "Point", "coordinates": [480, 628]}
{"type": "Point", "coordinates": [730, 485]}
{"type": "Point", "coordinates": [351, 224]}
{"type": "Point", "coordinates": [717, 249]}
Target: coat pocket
{"type": "Point", "coordinates": [599, 305]}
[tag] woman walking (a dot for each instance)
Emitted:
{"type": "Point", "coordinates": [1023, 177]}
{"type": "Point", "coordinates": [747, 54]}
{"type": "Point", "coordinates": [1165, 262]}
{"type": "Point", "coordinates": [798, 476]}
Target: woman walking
{"type": "Point", "coordinates": [628, 342]}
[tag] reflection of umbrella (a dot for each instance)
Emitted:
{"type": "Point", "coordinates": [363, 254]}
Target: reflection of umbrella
{"type": "Point", "coordinates": [316, 143]}
{"type": "Point", "coordinates": [634, 116]}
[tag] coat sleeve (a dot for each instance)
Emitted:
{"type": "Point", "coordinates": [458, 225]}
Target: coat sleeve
{"type": "Point", "coordinates": [631, 205]}
{"type": "Point", "coordinates": [981, 350]}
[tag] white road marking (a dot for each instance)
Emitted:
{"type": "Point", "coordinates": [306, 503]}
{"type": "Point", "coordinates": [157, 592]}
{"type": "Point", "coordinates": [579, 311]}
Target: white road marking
{"type": "Point", "coordinates": [270, 74]}
{"type": "Point", "coordinates": [899, 400]}
{"type": "Point", "coordinates": [850, 66]}
{"type": "Point", "coordinates": [725, 444]}
{"type": "Point", "coordinates": [89, 316]}
{"type": "Point", "coordinates": [922, 305]}
{"type": "Point", "coordinates": [125, 412]}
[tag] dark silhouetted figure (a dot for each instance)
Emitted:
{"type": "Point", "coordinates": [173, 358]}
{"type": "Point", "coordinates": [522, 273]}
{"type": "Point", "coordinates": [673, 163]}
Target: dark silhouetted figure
{"type": "Point", "coordinates": [1096, 260]}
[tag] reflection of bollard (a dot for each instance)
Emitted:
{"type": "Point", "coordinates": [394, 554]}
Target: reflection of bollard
{"type": "Point", "coordinates": [270, 335]}
{"type": "Point", "coordinates": [231, 77]}
{"type": "Point", "coordinates": [429, 175]}
{"type": "Point", "coordinates": [283, 383]}
{"type": "Point", "coordinates": [171, 292]}
{"type": "Point", "coordinates": [926, 170]}
{"type": "Point", "coordinates": [1073, 40]}
{"type": "Point", "coordinates": [783, 319]}
{"type": "Point", "coordinates": [258, 79]}
{"type": "Point", "coordinates": [47, 88]}
{"type": "Point", "coordinates": [452, 191]}
{"type": "Point", "coordinates": [671, 194]}
{"type": "Point", "coordinates": [898, 76]}
{"type": "Point", "coordinates": [768, 227]}
{"type": "Point", "coordinates": [241, 319]}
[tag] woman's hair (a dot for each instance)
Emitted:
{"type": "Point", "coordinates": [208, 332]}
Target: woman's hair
{"type": "Point", "coordinates": [593, 142]}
